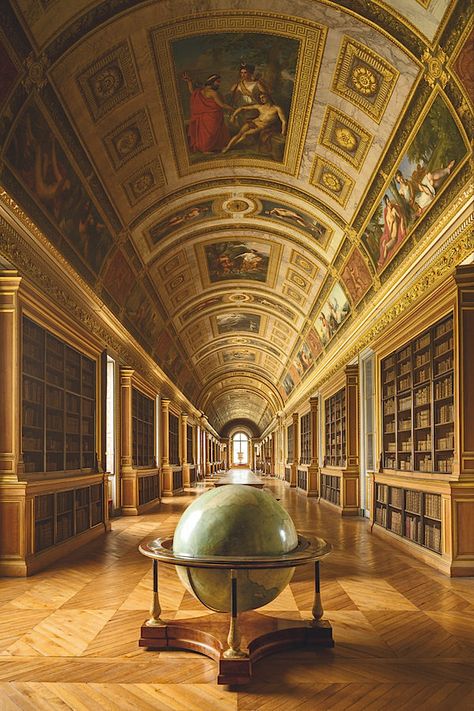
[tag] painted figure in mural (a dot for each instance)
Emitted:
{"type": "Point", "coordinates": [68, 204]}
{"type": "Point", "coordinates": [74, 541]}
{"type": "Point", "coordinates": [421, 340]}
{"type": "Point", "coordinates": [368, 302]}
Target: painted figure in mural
{"type": "Point", "coordinates": [419, 191]}
{"type": "Point", "coordinates": [394, 229]}
{"type": "Point", "coordinates": [251, 261]}
{"type": "Point", "coordinates": [195, 211]}
{"type": "Point", "coordinates": [270, 121]}
{"type": "Point", "coordinates": [249, 87]}
{"type": "Point", "coordinates": [207, 131]}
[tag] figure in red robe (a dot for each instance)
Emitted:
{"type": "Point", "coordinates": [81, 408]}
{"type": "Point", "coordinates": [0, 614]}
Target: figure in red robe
{"type": "Point", "coordinates": [207, 131]}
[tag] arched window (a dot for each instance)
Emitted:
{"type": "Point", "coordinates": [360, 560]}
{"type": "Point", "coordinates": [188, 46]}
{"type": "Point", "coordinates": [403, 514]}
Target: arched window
{"type": "Point", "coordinates": [240, 448]}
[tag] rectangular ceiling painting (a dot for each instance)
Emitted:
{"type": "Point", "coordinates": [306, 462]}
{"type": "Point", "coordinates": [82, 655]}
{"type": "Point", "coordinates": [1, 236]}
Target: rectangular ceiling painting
{"type": "Point", "coordinates": [237, 260]}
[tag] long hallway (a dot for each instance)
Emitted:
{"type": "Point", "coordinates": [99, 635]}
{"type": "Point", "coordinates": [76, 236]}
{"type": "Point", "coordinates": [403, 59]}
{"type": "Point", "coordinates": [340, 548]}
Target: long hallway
{"type": "Point", "coordinates": [404, 633]}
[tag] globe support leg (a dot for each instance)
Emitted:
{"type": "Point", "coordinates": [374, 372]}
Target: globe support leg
{"type": "Point", "coordinates": [155, 609]}
{"type": "Point", "coordinates": [233, 638]}
{"type": "Point", "coordinates": [317, 610]}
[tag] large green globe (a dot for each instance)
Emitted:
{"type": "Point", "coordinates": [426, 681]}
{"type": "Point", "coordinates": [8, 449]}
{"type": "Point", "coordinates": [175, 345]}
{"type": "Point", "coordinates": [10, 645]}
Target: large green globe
{"type": "Point", "coordinates": [235, 520]}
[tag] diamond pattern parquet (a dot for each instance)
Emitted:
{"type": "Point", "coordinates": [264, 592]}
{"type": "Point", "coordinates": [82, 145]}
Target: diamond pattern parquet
{"type": "Point", "coordinates": [404, 634]}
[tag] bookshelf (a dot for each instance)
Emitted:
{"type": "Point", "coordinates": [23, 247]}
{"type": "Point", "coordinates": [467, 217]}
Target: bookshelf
{"type": "Point", "coordinates": [189, 444]}
{"type": "Point", "coordinates": [290, 440]}
{"type": "Point", "coordinates": [335, 429]}
{"type": "Point", "coordinates": [148, 488]}
{"type": "Point", "coordinates": [418, 403]}
{"type": "Point", "coordinates": [411, 514]}
{"type": "Point", "coordinates": [339, 475]}
{"type": "Point", "coordinates": [61, 515]}
{"type": "Point", "coordinates": [143, 429]}
{"type": "Point", "coordinates": [330, 488]}
{"type": "Point", "coordinates": [174, 440]}
{"type": "Point", "coordinates": [58, 404]}
{"type": "Point", "coordinates": [305, 439]}
{"type": "Point", "coordinates": [302, 480]}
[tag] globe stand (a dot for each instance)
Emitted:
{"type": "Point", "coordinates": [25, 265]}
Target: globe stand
{"type": "Point", "coordinates": [262, 634]}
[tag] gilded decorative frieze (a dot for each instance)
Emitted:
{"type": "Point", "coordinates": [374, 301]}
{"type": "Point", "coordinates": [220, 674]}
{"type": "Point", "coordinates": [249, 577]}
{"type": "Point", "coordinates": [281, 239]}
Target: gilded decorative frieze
{"type": "Point", "coordinates": [344, 136]}
{"type": "Point", "coordinates": [364, 78]}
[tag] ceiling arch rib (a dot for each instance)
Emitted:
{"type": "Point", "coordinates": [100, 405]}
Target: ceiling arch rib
{"type": "Point", "coordinates": [234, 265]}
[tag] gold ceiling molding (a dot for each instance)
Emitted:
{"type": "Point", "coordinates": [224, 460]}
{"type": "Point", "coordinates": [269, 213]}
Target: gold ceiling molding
{"type": "Point", "coordinates": [310, 36]}
{"type": "Point", "coordinates": [332, 180]}
{"type": "Point", "coordinates": [434, 63]}
{"type": "Point", "coordinates": [341, 134]}
{"type": "Point", "coordinates": [364, 78]}
{"type": "Point", "coordinates": [144, 181]}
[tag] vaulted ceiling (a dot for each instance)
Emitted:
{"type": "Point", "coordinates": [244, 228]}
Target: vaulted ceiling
{"type": "Point", "coordinates": [237, 267]}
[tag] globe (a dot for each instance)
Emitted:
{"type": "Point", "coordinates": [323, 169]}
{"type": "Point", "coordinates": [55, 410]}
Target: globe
{"type": "Point", "coordinates": [235, 520]}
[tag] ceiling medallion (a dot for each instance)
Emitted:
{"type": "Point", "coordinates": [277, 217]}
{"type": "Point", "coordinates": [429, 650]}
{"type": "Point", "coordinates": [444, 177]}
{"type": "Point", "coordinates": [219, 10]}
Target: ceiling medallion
{"type": "Point", "coordinates": [434, 63]}
{"type": "Point", "coordinates": [238, 206]}
{"type": "Point", "coordinates": [236, 298]}
{"type": "Point", "coordinates": [333, 181]}
{"type": "Point", "coordinates": [364, 78]}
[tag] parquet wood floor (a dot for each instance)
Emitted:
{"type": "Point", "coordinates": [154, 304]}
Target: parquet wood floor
{"type": "Point", "coordinates": [404, 634]}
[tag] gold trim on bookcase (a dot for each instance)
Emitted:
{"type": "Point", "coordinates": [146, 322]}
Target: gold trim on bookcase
{"type": "Point", "coordinates": [311, 36]}
{"type": "Point", "coordinates": [341, 134]}
{"type": "Point", "coordinates": [330, 179]}
{"type": "Point", "coordinates": [363, 79]}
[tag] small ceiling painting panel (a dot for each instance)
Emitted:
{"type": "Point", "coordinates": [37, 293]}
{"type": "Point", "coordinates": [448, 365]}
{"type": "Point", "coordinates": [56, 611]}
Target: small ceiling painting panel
{"type": "Point", "coordinates": [237, 322]}
{"type": "Point", "coordinates": [356, 276]}
{"type": "Point", "coordinates": [237, 260]}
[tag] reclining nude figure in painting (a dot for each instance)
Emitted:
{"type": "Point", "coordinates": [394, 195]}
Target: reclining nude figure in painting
{"type": "Point", "coordinates": [264, 124]}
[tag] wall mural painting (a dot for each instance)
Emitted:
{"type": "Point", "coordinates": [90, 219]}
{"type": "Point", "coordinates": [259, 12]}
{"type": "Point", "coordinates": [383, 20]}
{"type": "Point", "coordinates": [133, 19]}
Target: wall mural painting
{"type": "Point", "coordinates": [118, 278]}
{"type": "Point", "coordinates": [288, 384]}
{"type": "Point", "coordinates": [297, 218]}
{"type": "Point", "coordinates": [174, 222]}
{"type": "Point", "coordinates": [235, 322]}
{"type": "Point", "coordinates": [37, 158]}
{"type": "Point", "coordinates": [432, 156]}
{"type": "Point", "coordinates": [314, 343]}
{"type": "Point", "coordinates": [304, 360]}
{"type": "Point", "coordinates": [333, 314]}
{"type": "Point", "coordinates": [237, 260]}
{"type": "Point", "coordinates": [356, 276]}
{"type": "Point", "coordinates": [235, 90]}
{"type": "Point", "coordinates": [141, 315]}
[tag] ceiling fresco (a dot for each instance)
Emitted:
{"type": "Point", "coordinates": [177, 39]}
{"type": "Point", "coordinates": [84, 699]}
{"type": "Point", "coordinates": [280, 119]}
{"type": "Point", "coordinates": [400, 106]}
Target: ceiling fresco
{"type": "Point", "coordinates": [237, 185]}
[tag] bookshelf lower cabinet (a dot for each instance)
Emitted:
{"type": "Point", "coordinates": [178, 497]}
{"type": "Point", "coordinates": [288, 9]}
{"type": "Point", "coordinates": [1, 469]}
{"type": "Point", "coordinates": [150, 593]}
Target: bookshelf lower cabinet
{"type": "Point", "coordinates": [434, 519]}
{"type": "Point", "coordinates": [46, 520]}
{"type": "Point", "coordinates": [340, 487]}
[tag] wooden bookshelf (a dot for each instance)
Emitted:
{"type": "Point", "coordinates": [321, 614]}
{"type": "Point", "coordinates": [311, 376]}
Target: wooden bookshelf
{"type": "Point", "coordinates": [148, 488]}
{"type": "Point", "coordinates": [173, 439]}
{"type": "Point", "coordinates": [330, 488]}
{"type": "Point", "coordinates": [305, 439]}
{"type": "Point", "coordinates": [143, 429]}
{"type": "Point", "coordinates": [411, 514]}
{"type": "Point", "coordinates": [58, 404]}
{"type": "Point", "coordinates": [63, 514]}
{"type": "Point", "coordinates": [290, 443]}
{"type": "Point", "coordinates": [302, 479]}
{"type": "Point", "coordinates": [339, 476]}
{"type": "Point", "coordinates": [418, 403]}
{"type": "Point", "coordinates": [335, 429]}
